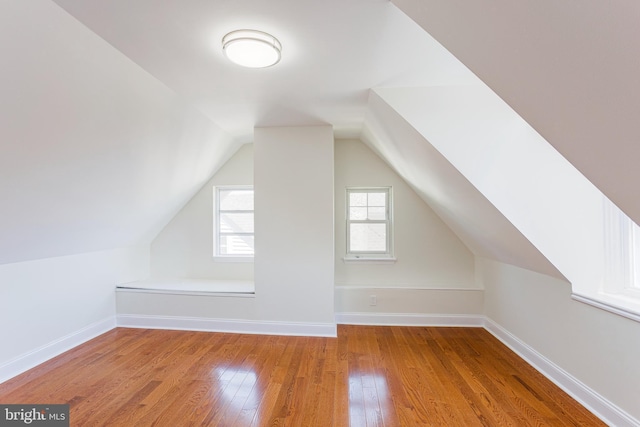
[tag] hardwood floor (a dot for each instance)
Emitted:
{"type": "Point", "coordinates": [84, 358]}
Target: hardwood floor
{"type": "Point", "coordinates": [368, 376]}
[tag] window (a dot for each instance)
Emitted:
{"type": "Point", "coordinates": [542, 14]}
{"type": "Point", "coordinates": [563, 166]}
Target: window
{"type": "Point", "coordinates": [619, 291]}
{"type": "Point", "coordinates": [369, 223]}
{"type": "Point", "coordinates": [623, 252]}
{"type": "Point", "coordinates": [233, 226]}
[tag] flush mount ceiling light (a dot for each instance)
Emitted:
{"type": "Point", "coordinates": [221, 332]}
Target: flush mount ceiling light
{"type": "Point", "coordinates": [251, 48]}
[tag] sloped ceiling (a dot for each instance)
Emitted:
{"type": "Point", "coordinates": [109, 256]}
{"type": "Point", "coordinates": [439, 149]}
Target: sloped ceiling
{"type": "Point", "coordinates": [569, 68]}
{"type": "Point", "coordinates": [114, 114]}
{"type": "Point", "coordinates": [485, 231]}
{"type": "Point", "coordinates": [549, 201]}
{"type": "Point", "coordinates": [95, 153]}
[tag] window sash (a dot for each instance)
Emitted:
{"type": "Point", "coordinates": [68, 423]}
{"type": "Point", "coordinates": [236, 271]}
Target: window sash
{"type": "Point", "coordinates": [382, 251]}
{"type": "Point", "coordinates": [220, 237]}
{"type": "Point", "coordinates": [386, 191]}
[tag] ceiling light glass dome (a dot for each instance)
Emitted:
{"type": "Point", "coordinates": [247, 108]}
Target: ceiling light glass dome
{"type": "Point", "coordinates": [251, 48]}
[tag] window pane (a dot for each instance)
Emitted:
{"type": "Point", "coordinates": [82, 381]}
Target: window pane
{"type": "Point", "coordinates": [358, 213]}
{"type": "Point", "coordinates": [236, 245]}
{"type": "Point", "coordinates": [236, 222]}
{"type": "Point", "coordinates": [368, 237]}
{"type": "Point", "coordinates": [357, 199]}
{"type": "Point", "coordinates": [376, 213]}
{"type": "Point", "coordinates": [377, 199]}
{"type": "Point", "coordinates": [236, 200]}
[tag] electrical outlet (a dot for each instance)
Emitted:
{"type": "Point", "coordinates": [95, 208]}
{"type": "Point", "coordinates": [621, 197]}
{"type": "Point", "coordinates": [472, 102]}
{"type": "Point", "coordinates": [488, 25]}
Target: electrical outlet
{"type": "Point", "coordinates": [373, 300]}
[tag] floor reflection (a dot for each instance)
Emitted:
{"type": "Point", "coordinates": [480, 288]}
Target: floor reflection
{"type": "Point", "coordinates": [240, 391]}
{"type": "Point", "coordinates": [368, 398]}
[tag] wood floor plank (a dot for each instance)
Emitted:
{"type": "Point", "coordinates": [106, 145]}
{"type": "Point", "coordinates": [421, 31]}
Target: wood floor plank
{"type": "Point", "coordinates": [275, 382]}
{"type": "Point", "coordinates": [368, 376]}
{"type": "Point", "coordinates": [340, 402]}
{"type": "Point", "coordinates": [534, 395]}
{"type": "Point", "coordinates": [260, 362]}
{"type": "Point", "coordinates": [33, 381]}
{"type": "Point", "coordinates": [135, 373]}
{"type": "Point", "coordinates": [487, 379]}
{"type": "Point", "coordinates": [477, 383]}
{"type": "Point", "coordinates": [430, 371]}
{"type": "Point", "coordinates": [393, 376]}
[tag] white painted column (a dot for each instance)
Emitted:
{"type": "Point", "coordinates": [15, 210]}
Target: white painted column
{"type": "Point", "coordinates": [294, 258]}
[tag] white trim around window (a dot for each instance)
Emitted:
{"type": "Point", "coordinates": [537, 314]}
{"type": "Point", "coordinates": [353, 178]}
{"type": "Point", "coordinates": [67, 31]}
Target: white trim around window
{"type": "Point", "coordinates": [369, 224]}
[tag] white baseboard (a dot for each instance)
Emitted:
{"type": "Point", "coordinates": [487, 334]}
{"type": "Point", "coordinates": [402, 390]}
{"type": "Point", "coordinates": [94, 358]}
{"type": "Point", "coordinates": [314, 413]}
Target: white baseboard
{"type": "Point", "coordinates": [48, 351]}
{"type": "Point", "coordinates": [410, 319]}
{"type": "Point", "coordinates": [260, 327]}
{"type": "Point", "coordinates": [598, 405]}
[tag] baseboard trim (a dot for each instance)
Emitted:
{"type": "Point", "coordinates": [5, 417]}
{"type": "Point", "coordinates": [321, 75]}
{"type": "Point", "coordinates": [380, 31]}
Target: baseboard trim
{"type": "Point", "coordinates": [48, 351]}
{"type": "Point", "coordinates": [261, 327]}
{"type": "Point", "coordinates": [598, 405]}
{"type": "Point", "coordinates": [410, 319]}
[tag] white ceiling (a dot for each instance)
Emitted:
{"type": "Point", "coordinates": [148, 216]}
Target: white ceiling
{"type": "Point", "coordinates": [333, 52]}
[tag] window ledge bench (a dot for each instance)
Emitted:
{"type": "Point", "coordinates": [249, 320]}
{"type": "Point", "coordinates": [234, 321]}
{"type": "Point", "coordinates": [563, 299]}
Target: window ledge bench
{"type": "Point", "coordinates": [231, 288]}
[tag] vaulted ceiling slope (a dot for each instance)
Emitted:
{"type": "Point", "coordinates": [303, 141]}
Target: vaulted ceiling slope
{"type": "Point", "coordinates": [95, 153]}
{"type": "Point", "coordinates": [116, 112]}
{"type": "Point", "coordinates": [545, 197]}
{"type": "Point", "coordinates": [569, 68]}
{"type": "Point", "coordinates": [477, 222]}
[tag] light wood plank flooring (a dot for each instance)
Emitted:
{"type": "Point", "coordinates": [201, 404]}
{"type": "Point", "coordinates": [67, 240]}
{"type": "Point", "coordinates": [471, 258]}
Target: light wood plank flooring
{"type": "Point", "coordinates": [368, 376]}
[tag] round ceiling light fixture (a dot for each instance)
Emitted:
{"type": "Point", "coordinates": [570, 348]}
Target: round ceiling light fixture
{"type": "Point", "coordinates": [251, 48]}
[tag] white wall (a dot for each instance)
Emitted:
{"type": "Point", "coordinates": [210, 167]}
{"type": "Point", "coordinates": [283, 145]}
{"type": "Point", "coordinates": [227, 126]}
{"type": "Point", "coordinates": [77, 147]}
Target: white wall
{"type": "Point", "coordinates": [423, 305]}
{"type": "Point", "coordinates": [184, 248]}
{"type": "Point", "coordinates": [598, 348]}
{"type": "Point", "coordinates": [434, 270]}
{"type": "Point", "coordinates": [434, 273]}
{"type": "Point", "coordinates": [47, 305]}
{"type": "Point", "coordinates": [294, 262]}
{"type": "Point", "coordinates": [429, 254]}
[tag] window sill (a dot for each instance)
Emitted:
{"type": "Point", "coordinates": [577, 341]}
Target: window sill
{"type": "Point", "coordinates": [618, 304]}
{"type": "Point", "coordinates": [369, 260]}
{"type": "Point", "coordinates": [233, 259]}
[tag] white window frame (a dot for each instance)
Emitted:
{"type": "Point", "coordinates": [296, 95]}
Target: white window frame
{"type": "Point", "coordinates": [372, 256]}
{"type": "Point", "coordinates": [217, 256]}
